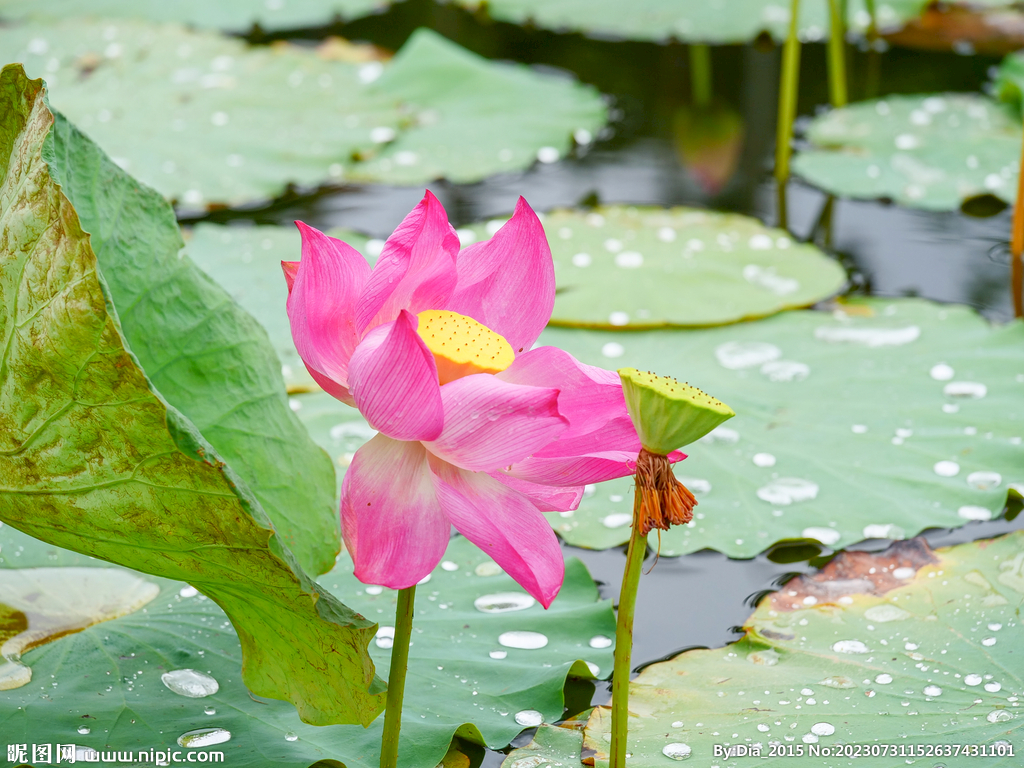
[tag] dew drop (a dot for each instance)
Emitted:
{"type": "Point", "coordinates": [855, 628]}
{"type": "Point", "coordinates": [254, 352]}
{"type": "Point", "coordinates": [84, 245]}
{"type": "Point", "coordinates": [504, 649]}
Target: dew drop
{"type": "Point", "coordinates": [84, 729]}
{"type": "Point", "coordinates": [984, 481]}
{"type": "Point", "coordinates": [385, 637]}
{"type": "Point", "coordinates": [932, 690]}
{"type": "Point", "coordinates": [998, 716]}
{"type": "Point", "coordinates": [787, 490]}
{"type": "Point", "coordinates": [885, 612]}
{"type": "Point", "coordinates": [827, 536]}
{"type": "Point", "coordinates": [677, 750]}
{"type": "Point", "coordinates": [823, 729]}
{"type": "Point", "coordinates": [600, 641]}
{"type": "Point", "coordinates": [904, 573]}
{"type": "Point", "coordinates": [883, 531]}
{"type": "Point", "coordinates": [291, 736]}
{"type": "Point", "coordinates": [859, 429]}
{"type": "Point", "coordinates": [529, 718]}
{"type": "Point", "coordinates": [988, 642]}
{"type": "Point", "coordinates": [725, 435]}
{"type": "Point", "coordinates": [995, 626]}
{"type": "Point", "coordinates": [449, 566]}
{"type": "Point", "coordinates": [503, 602]}
{"type": "Point", "coordinates": [204, 737]}
{"type": "Point", "coordinates": [736, 355]}
{"type": "Point", "coordinates": [613, 349]}
{"type": "Point", "coordinates": [498, 654]}
{"type": "Point", "coordinates": [617, 520]}
{"type": "Point", "coordinates": [763, 728]}
{"type": "Point", "coordinates": [942, 372]}
{"type": "Point", "coordinates": [629, 260]}
{"type": "Point", "coordinates": [618, 318]}
{"type": "Point", "coordinates": [993, 687]}
{"type": "Point", "coordinates": [946, 468]}
{"type": "Point", "coordinates": [582, 260]}
{"type": "Point", "coordinates": [488, 568]}
{"type": "Point", "coordinates": [868, 337]}
{"type": "Point", "coordinates": [974, 513]}
{"type": "Point", "coordinates": [883, 679]}
{"type": "Point", "coordinates": [764, 460]}
{"type": "Point", "coordinates": [849, 646]}
{"type": "Point", "coordinates": [965, 389]}
{"type": "Point", "coordinates": [785, 370]}
{"type": "Point", "coordinates": [972, 679]}
{"type": "Point", "coordinates": [190, 683]}
{"type": "Point", "coordinates": [523, 639]}
{"type": "Point", "coordinates": [548, 155]}
{"type": "Point", "coordinates": [209, 711]}
{"type": "Point", "coordinates": [188, 591]}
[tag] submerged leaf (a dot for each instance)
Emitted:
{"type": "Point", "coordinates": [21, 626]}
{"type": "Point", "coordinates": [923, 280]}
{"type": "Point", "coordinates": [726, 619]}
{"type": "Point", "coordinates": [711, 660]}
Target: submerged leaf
{"type": "Point", "coordinates": [95, 458]}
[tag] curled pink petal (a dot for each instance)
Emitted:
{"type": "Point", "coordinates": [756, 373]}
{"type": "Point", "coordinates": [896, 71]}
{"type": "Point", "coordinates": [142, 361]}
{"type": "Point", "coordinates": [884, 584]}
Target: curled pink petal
{"type": "Point", "coordinates": [546, 498]}
{"type": "Point", "coordinates": [617, 434]}
{"type": "Point", "coordinates": [321, 303]}
{"type": "Point", "coordinates": [393, 381]}
{"type": "Point", "coordinates": [582, 469]}
{"type": "Point", "coordinates": [505, 525]}
{"type": "Point", "coordinates": [588, 396]}
{"type": "Point", "coordinates": [332, 388]}
{"type": "Point", "coordinates": [290, 269]}
{"type": "Point", "coordinates": [508, 282]}
{"type": "Point", "coordinates": [489, 423]}
{"type": "Point", "coordinates": [391, 519]}
{"type": "Point", "coordinates": [416, 268]}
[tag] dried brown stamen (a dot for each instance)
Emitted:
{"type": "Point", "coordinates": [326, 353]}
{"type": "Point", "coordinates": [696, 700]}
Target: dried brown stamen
{"type": "Point", "coordinates": [661, 500]}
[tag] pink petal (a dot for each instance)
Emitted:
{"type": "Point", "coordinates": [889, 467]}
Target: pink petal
{"type": "Point", "coordinates": [546, 498]}
{"type": "Point", "coordinates": [617, 434]}
{"type": "Point", "coordinates": [332, 388]}
{"type": "Point", "coordinates": [321, 303]}
{"type": "Point", "coordinates": [489, 423]}
{"type": "Point", "coordinates": [595, 467]}
{"type": "Point", "coordinates": [505, 525]}
{"type": "Point", "coordinates": [391, 519]}
{"type": "Point", "coordinates": [508, 282]}
{"type": "Point", "coordinates": [588, 396]}
{"type": "Point", "coordinates": [416, 269]}
{"type": "Point", "coordinates": [290, 269]}
{"type": "Point", "coordinates": [393, 381]}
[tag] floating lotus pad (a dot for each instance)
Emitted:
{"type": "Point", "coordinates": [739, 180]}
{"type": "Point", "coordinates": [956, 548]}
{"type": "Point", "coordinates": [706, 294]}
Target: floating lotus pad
{"type": "Point", "coordinates": [460, 671]}
{"type": "Point", "coordinates": [206, 119]}
{"type": "Point", "coordinates": [725, 21]}
{"type": "Point", "coordinates": [930, 151]}
{"type": "Point", "coordinates": [630, 267]}
{"type": "Point", "coordinates": [231, 15]}
{"type": "Point", "coordinates": [876, 422]}
{"type": "Point", "coordinates": [921, 650]}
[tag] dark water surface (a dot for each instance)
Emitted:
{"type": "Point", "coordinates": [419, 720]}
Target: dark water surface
{"type": "Point", "coordinates": [696, 600]}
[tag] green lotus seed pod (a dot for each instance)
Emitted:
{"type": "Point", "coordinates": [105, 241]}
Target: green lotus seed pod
{"type": "Point", "coordinates": [668, 415]}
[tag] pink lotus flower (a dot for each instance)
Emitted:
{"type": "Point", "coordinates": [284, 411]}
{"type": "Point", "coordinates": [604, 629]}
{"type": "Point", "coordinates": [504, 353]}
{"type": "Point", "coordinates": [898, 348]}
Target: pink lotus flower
{"type": "Point", "coordinates": [477, 430]}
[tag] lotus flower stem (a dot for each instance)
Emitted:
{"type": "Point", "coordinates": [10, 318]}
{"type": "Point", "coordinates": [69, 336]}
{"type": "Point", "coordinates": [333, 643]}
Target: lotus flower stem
{"type": "Point", "coordinates": [1017, 247]}
{"type": "Point", "coordinates": [837, 55]}
{"type": "Point", "coordinates": [787, 108]}
{"type": "Point", "coordinates": [700, 74]}
{"type": "Point", "coordinates": [396, 678]}
{"type": "Point", "coordinates": [624, 636]}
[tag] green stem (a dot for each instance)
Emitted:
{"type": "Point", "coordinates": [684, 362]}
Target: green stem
{"type": "Point", "coordinates": [837, 56]}
{"type": "Point", "coordinates": [624, 642]}
{"type": "Point", "coordinates": [396, 678]}
{"type": "Point", "coordinates": [700, 74]}
{"type": "Point", "coordinates": [874, 55]}
{"type": "Point", "coordinates": [787, 108]}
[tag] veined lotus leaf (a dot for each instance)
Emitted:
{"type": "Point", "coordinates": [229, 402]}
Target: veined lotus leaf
{"type": "Point", "coordinates": [723, 21]}
{"type": "Point", "coordinates": [207, 120]}
{"type": "Point", "coordinates": [461, 677]}
{"type": "Point", "coordinates": [881, 652]}
{"type": "Point", "coordinates": [230, 15]}
{"type": "Point", "coordinates": [97, 458]}
{"type": "Point", "coordinates": [929, 151]}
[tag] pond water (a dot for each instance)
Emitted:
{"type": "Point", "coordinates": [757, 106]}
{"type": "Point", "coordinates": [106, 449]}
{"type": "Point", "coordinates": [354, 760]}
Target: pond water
{"type": "Point", "coordinates": [697, 600]}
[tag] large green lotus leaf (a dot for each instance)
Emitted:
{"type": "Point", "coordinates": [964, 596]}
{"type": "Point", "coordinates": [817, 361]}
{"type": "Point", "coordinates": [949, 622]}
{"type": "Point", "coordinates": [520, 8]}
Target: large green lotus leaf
{"type": "Point", "coordinates": [96, 459]}
{"type": "Point", "coordinates": [107, 678]}
{"type": "Point", "coordinates": [875, 422]}
{"type": "Point", "coordinates": [232, 15]}
{"type": "Point", "coordinates": [929, 151]}
{"type": "Point", "coordinates": [722, 21]}
{"type": "Point", "coordinates": [474, 118]}
{"type": "Point", "coordinates": [890, 651]}
{"type": "Point", "coordinates": [206, 119]}
{"type": "Point", "coordinates": [645, 267]}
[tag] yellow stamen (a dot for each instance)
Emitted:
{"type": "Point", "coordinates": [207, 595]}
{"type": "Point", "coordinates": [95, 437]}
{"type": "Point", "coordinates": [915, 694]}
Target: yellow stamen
{"type": "Point", "coordinates": [462, 346]}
